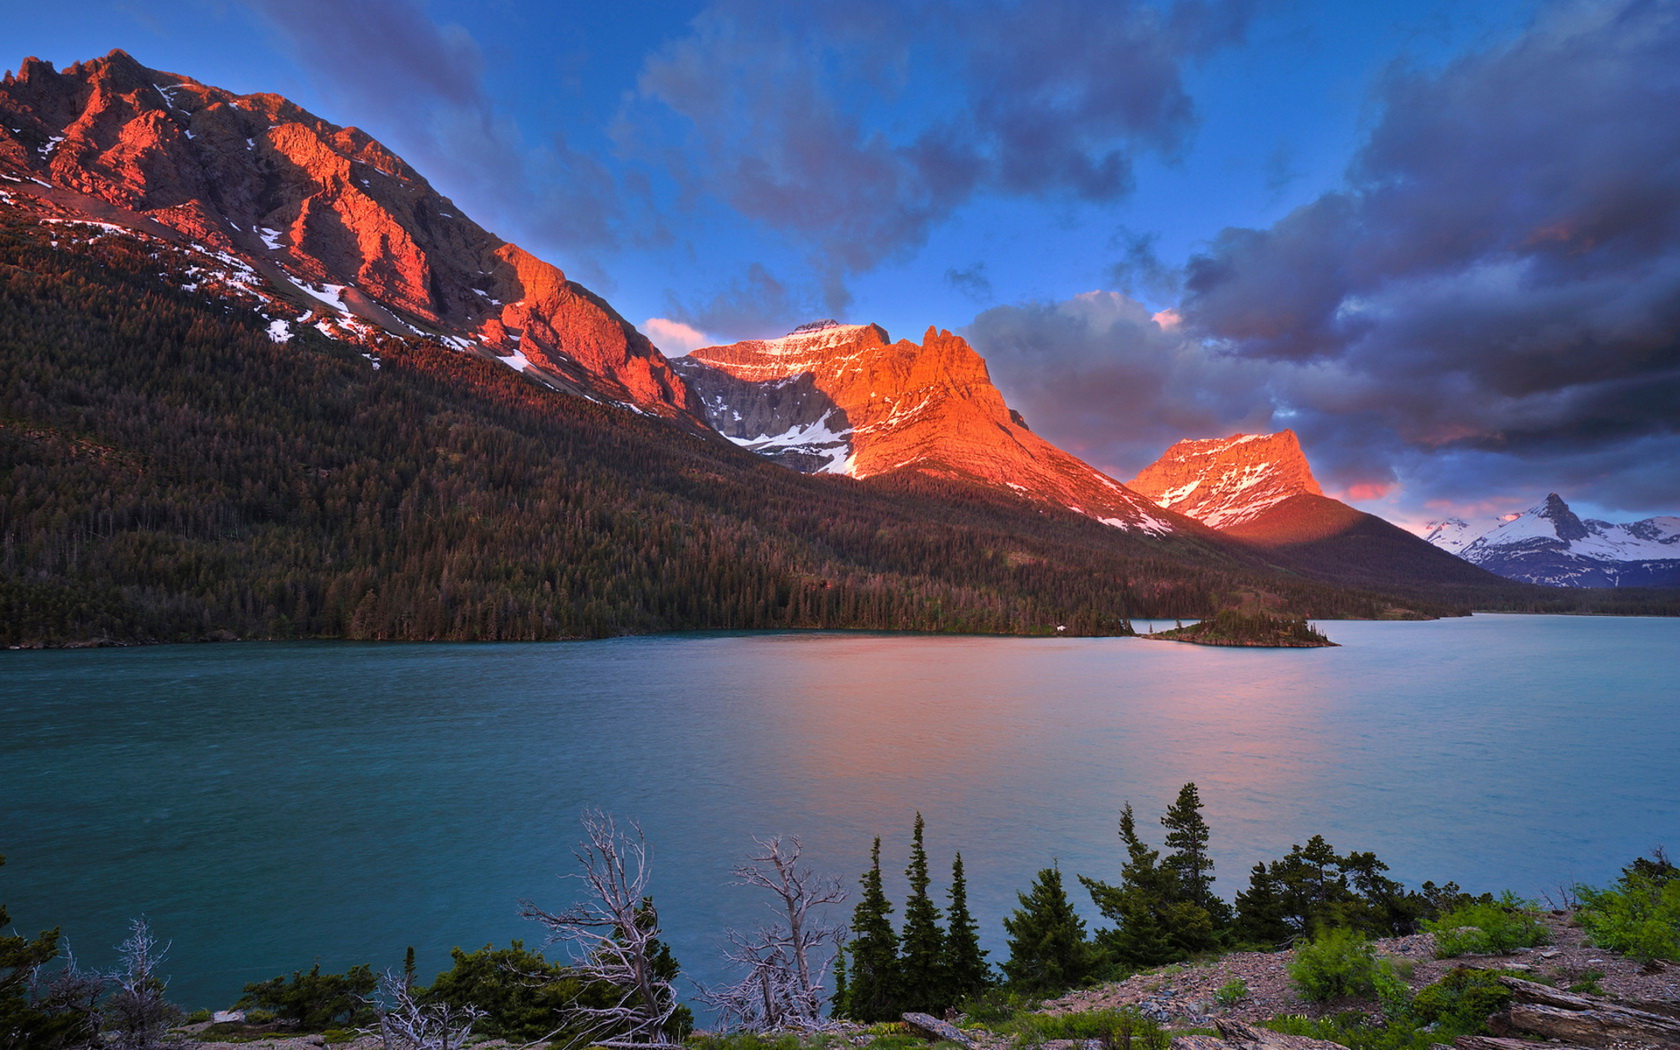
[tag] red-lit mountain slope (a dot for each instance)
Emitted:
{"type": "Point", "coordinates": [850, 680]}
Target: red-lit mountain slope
{"type": "Point", "coordinates": [845, 399]}
{"type": "Point", "coordinates": [1260, 490]}
{"type": "Point", "coordinates": [351, 235]}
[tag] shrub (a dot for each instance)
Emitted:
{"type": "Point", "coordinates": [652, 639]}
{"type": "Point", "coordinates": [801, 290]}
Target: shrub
{"type": "Point", "coordinates": [1354, 1031]}
{"type": "Point", "coordinates": [1639, 916]}
{"type": "Point", "coordinates": [1232, 992]}
{"type": "Point", "coordinates": [996, 1006]}
{"type": "Point", "coordinates": [524, 996]}
{"type": "Point", "coordinates": [1338, 962]}
{"type": "Point", "coordinates": [1110, 1029]}
{"type": "Point", "coordinates": [314, 1001]}
{"type": "Point", "coordinates": [1460, 1003]}
{"type": "Point", "coordinates": [1488, 928]}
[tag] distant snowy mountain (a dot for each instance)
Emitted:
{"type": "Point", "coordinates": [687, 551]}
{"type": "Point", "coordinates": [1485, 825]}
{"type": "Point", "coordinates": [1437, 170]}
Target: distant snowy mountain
{"type": "Point", "coordinates": [1548, 544]}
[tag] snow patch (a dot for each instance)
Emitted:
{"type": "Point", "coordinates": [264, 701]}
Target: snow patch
{"type": "Point", "coordinates": [326, 293]}
{"type": "Point", "coordinates": [269, 237]}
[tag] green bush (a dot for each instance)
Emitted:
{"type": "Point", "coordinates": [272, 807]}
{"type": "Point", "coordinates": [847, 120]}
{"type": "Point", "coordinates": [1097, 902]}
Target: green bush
{"type": "Point", "coordinates": [1639, 916]}
{"type": "Point", "coordinates": [1460, 1003]}
{"type": "Point", "coordinates": [1338, 962]}
{"type": "Point", "coordinates": [1232, 992]}
{"type": "Point", "coordinates": [1111, 1029]}
{"type": "Point", "coordinates": [995, 1006]}
{"type": "Point", "coordinates": [314, 1001]}
{"type": "Point", "coordinates": [1354, 1031]}
{"type": "Point", "coordinates": [1488, 928]}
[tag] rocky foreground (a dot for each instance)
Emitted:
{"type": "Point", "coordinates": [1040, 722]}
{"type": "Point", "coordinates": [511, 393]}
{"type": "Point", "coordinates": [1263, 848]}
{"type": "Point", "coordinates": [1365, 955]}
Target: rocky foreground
{"type": "Point", "coordinates": [1635, 1007]}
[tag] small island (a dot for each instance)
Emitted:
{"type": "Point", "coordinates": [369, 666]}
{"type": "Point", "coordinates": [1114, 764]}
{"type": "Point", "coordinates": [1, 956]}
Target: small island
{"type": "Point", "coordinates": [1255, 629]}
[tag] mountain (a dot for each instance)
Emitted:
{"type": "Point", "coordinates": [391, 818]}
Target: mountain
{"type": "Point", "coordinates": [1259, 490]}
{"type": "Point", "coordinates": [1223, 482]}
{"type": "Point", "coordinates": [343, 233]}
{"type": "Point", "coordinates": [846, 399]}
{"type": "Point", "coordinates": [1548, 544]}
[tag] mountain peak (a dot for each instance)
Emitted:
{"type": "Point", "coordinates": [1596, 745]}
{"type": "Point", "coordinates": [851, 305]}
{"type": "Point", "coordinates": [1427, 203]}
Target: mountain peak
{"type": "Point", "coordinates": [1226, 481]}
{"type": "Point", "coordinates": [329, 219]}
{"type": "Point", "coordinates": [842, 399]}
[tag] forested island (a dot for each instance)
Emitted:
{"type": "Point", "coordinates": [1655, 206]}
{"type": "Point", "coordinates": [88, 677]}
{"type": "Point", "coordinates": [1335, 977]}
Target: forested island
{"type": "Point", "coordinates": [1248, 629]}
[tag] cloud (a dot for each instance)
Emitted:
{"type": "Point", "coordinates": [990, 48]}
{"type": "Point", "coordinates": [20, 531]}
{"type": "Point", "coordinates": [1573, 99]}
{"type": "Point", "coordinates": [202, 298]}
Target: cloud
{"type": "Point", "coordinates": [1499, 278]}
{"type": "Point", "coordinates": [673, 338]}
{"type": "Point", "coordinates": [1100, 376]}
{"type": "Point", "coordinates": [383, 50]}
{"type": "Point", "coordinates": [971, 282]}
{"type": "Point", "coordinates": [420, 84]}
{"type": "Point", "coordinates": [852, 130]}
{"type": "Point", "coordinates": [752, 306]}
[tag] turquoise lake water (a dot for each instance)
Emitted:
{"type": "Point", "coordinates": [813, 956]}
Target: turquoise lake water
{"type": "Point", "coordinates": [270, 805]}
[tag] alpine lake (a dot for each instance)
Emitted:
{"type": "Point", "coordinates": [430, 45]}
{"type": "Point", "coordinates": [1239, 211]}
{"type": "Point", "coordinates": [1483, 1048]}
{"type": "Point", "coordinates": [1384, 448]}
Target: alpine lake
{"type": "Point", "coordinates": [267, 806]}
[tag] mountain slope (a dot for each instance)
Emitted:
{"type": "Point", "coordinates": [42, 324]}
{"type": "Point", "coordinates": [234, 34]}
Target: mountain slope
{"type": "Point", "coordinates": [171, 472]}
{"type": "Point", "coordinates": [845, 399]}
{"type": "Point", "coordinates": [1548, 544]}
{"type": "Point", "coordinates": [1259, 489]}
{"type": "Point", "coordinates": [342, 228]}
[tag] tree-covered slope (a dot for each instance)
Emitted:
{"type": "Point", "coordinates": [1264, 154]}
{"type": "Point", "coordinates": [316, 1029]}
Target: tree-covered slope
{"type": "Point", "coordinates": [170, 472]}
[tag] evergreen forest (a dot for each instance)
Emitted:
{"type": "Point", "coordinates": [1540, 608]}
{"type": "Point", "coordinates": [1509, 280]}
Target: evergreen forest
{"type": "Point", "coordinates": [170, 473]}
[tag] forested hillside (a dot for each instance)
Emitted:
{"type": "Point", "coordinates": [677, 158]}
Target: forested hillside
{"type": "Point", "coordinates": [170, 473]}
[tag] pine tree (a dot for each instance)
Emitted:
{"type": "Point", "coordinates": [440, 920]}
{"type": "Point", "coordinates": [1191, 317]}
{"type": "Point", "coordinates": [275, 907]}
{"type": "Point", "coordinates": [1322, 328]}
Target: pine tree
{"type": "Point", "coordinates": [923, 978]}
{"type": "Point", "coordinates": [1187, 842]}
{"type": "Point", "coordinates": [1048, 952]}
{"type": "Point", "coordinates": [872, 991]}
{"type": "Point", "coordinates": [966, 970]}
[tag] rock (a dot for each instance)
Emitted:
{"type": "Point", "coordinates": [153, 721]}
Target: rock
{"type": "Point", "coordinates": [228, 1016]}
{"type": "Point", "coordinates": [1489, 1042]}
{"type": "Point", "coordinates": [930, 1027]}
{"type": "Point", "coordinates": [1582, 1020]}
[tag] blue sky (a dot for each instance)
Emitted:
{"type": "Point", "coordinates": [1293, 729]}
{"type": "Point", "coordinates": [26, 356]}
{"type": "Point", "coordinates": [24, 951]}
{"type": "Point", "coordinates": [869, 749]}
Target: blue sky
{"type": "Point", "coordinates": [1439, 239]}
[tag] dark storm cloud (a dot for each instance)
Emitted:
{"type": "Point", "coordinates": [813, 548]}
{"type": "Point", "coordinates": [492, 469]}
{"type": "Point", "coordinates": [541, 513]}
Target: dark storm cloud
{"type": "Point", "coordinates": [854, 129]}
{"type": "Point", "coordinates": [1103, 378]}
{"type": "Point", "coordinates": [1489, 308]}
{"type": "Point", "coordinates": [1502, 270]}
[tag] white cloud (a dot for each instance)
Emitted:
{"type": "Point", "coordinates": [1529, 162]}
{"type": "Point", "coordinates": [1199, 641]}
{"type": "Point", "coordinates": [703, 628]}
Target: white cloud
{"type": "Point", "coordinates": [673, 338]}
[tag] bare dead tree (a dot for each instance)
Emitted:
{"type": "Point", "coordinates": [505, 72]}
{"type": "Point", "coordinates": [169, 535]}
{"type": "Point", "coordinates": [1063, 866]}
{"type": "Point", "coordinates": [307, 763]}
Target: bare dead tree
{"type": "Point", "coordinates": [613, 937]}
{"type": "Point", "coordinates": [405, 1024]}
{"type": "Point", "coordinates": [138, 1013]}
{"type": "Point", "coordinates": [784, 961]}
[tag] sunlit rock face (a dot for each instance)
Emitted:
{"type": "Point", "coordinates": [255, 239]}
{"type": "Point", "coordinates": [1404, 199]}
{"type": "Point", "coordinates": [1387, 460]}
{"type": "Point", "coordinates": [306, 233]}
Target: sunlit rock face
{"type": "Point", "coordinates": [1224, 482]}
{"type": "Point", "coordinates": [845, 399]}
{"type": "Point", "coordinates": [319, 209]}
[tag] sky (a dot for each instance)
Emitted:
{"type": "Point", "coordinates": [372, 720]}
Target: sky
{"type": "Point", "coordinates": [1439, 239]}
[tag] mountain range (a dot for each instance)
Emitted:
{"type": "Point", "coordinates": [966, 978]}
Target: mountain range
{"type": "Point", "coordinates": [468, 433]}
{"type": "Point", "coordinates": [1548, 544]}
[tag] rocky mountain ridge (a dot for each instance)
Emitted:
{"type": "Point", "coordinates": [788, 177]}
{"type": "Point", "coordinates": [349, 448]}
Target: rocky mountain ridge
{"type": "Point", "coordinates": [1549, 544]}
{"type": "Point", "coordinates": [846, 399]}
{"type": "Point", "coordinates": [1223, 482]}
{"type": "Point", "coordinates": [340, 227]}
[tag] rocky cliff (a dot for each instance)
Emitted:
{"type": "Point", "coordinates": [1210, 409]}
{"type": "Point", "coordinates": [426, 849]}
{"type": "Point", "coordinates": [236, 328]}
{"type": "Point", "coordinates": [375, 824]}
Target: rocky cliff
{"type": "Point", "coordinates": [340, 225]}
{"type": "Point", "coordinates": [1223, 482]}
{"type": "Point", "coordinates": [847, 399]}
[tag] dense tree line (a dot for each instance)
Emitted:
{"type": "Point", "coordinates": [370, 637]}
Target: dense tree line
{"type": "Point", "coordinates": [171, 473]}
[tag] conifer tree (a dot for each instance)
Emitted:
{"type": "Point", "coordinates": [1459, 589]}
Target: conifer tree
{"type": "Point", "coordinates": [1187, 842]}
{"type": "Point", "coordinates": [924, 983]}
{"type": "Point", "coordinates": [872, 990]}
{"type": "Point", "coordinates": [966, 970]}
{"type": "Point", "coordinates": [1048, 952]}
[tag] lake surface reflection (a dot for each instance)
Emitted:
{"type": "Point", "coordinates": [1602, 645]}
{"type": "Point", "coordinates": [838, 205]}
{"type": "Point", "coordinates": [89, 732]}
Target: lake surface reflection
{"type": "Point", "coordinates": [267, 805]}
